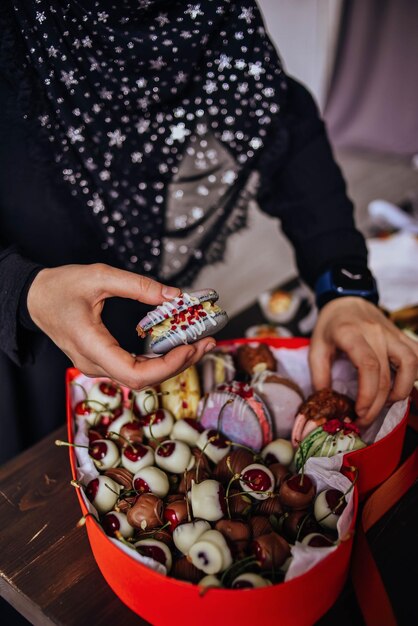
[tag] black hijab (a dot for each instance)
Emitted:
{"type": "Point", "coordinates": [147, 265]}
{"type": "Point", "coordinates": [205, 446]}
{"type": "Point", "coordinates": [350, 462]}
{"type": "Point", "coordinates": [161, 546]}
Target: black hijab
{"type": "Point", "coordinates": [125, 82]}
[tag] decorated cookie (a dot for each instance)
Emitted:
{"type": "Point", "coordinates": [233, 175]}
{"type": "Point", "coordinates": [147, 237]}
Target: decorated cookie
{"type": "Point", "coordinates": [183, 320]}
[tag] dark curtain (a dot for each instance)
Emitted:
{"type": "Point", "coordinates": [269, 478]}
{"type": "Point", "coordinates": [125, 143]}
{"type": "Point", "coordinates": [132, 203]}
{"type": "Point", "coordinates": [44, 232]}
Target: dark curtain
{"type": "Point", "coordinates": [373, 99]}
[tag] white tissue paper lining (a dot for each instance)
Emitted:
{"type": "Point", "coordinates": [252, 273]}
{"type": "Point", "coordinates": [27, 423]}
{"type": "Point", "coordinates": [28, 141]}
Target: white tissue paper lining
{"type": "Point", "coordinates": [291, 363]}
{"type": "Point", "coordinates": [306, 557]}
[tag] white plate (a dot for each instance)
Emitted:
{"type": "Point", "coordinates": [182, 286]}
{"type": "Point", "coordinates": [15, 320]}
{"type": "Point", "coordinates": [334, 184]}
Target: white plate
{"type": "Point", "coordinates": [284, 316]}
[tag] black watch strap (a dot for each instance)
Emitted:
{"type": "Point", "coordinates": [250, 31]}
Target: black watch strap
{"type": "Point", "coordinates": [346, 280]}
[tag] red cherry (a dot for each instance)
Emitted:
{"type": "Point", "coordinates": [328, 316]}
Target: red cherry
{"type": "Point", "coordinates": [133, 453]}
{"type": "Point", "coordinates": [175, 513]}
{"type": "Point", "coordinates": [141, 486]}
{"type": "Point", "coordinates": [299, 484]}
{"type": "Point", "coordinates": [194, 424]}
{"type": "Point", "coordinates": [132, 431]}
{"type": "Point", "coordinates": [118, 411]}
{"type": "Point", "coordinates": [297, 492]}
{"type": "Point", "coordinates": [219, 440]}
{"type": "Point", "coordinates": [83, 408]}
{"type": "Point", "coordinates": [166, 449]}
{"type": "Point", "coordinates": [98, 450]}
{"type": "Point", "coordinates": [94, 435]}
{"type": "Point", "coordinates": [92, 488]}
{"type": "Point", "coordinates": [335, 500]}
{"type": "Point", "coordinates": [106, 420]}
{"type": "Point", "coordinates": [110, 524]}
{"type": "Point", "coordinates": [156, 417]}
{"type": "Point", "coordinates": [154, 552]}
{"type": "Point", "coordinates": [257, 479]}
{"type": "Point", "coordinates": [108, 389]}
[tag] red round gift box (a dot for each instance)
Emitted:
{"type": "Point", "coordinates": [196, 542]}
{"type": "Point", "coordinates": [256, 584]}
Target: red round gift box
{"type": "Point", "coordinates": [302, 601]}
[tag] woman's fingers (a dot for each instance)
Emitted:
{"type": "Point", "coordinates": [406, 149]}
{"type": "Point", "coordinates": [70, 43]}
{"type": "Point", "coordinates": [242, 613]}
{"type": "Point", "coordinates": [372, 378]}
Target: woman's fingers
{"type": "Point", "coordinates": [154, 370]}
{"type": "Point", "coordinates": [321, 355]}
{"type": "Point", "coordinates": [115, 282]}
{"type": "Point", "coordinates": [67, 302]}
{"type": "Point", "coordinates": [102, 350]}
{"type": "Point", "coordinates": [405, 358]}
{"type": "Point", "coordinates": [373, 344]}
{"type": "Point", "coordinates": [367, 413]}
{"type": "Point", "coordinates": [373, 375]}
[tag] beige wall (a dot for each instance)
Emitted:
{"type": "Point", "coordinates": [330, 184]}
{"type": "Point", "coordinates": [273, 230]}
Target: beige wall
{"type": "Point", "coordinates": [305, 33]}
{"type": "Point", "coordinates": [260, 257]}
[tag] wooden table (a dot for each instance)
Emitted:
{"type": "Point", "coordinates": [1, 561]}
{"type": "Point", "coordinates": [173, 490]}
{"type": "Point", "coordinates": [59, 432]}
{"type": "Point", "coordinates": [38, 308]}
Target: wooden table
{"type": "Point", "coordinates": [48, 574]}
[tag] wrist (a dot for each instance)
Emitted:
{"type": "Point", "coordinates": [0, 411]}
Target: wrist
{"type": "Point", "coordinates": [35, 298]}
{"type": "Point", "coordinates": [24, 316]}
{"type": "Point", "coordinates": [346, 280]}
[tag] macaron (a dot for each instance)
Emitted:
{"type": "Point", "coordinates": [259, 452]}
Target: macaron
{"type": "Point", "coordinates": [185, 319]}
{"type": "Point", "coordinates": [239, 413]}
{"type": "Point", "coordinates": [283, 398]}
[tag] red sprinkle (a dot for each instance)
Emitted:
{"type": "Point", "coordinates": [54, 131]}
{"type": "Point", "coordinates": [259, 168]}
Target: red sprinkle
{"type": "Point", "coordinates": [334, 426]}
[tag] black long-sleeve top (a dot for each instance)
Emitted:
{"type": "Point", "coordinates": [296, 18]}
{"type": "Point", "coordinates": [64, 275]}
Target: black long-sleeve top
{"type": "Point", "coordinates": [42, 225]}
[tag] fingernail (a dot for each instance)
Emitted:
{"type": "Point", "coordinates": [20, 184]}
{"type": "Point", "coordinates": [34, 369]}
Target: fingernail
{"type": "Point", "coordinates": [210, 346]}
{"type": "Point", "coordinates": [170, 292]}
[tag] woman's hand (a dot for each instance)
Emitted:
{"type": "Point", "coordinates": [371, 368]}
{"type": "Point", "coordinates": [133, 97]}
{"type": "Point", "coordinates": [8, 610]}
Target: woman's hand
{"type": "Point", "coordinates": [67, 302]}
{"type": "Point", "coordinates": [373, 344]}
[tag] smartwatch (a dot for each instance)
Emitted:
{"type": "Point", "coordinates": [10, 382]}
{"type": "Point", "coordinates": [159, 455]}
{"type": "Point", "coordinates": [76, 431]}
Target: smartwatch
{"type": "Point", "coordinates": [346, 279]}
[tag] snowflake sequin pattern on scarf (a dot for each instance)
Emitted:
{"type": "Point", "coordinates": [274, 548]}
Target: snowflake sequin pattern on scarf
{"type": "Point", "coordinates": [125, 86]}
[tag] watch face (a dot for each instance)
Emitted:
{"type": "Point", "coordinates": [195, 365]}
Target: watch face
{"type": "Point", "coordinates": [350, 277]}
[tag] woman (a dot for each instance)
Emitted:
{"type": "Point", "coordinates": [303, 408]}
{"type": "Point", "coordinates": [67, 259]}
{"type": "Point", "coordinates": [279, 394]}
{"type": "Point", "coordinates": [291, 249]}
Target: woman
{"type": "Point", "coordinates": [134, 134]}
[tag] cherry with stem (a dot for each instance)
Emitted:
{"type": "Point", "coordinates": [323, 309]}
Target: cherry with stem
{"type": "Point", "coordinates": [341, 499]}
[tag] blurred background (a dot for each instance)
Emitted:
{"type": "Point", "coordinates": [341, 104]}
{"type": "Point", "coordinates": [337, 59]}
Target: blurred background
{"type": "Point", "coordinates": [359, 58]}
